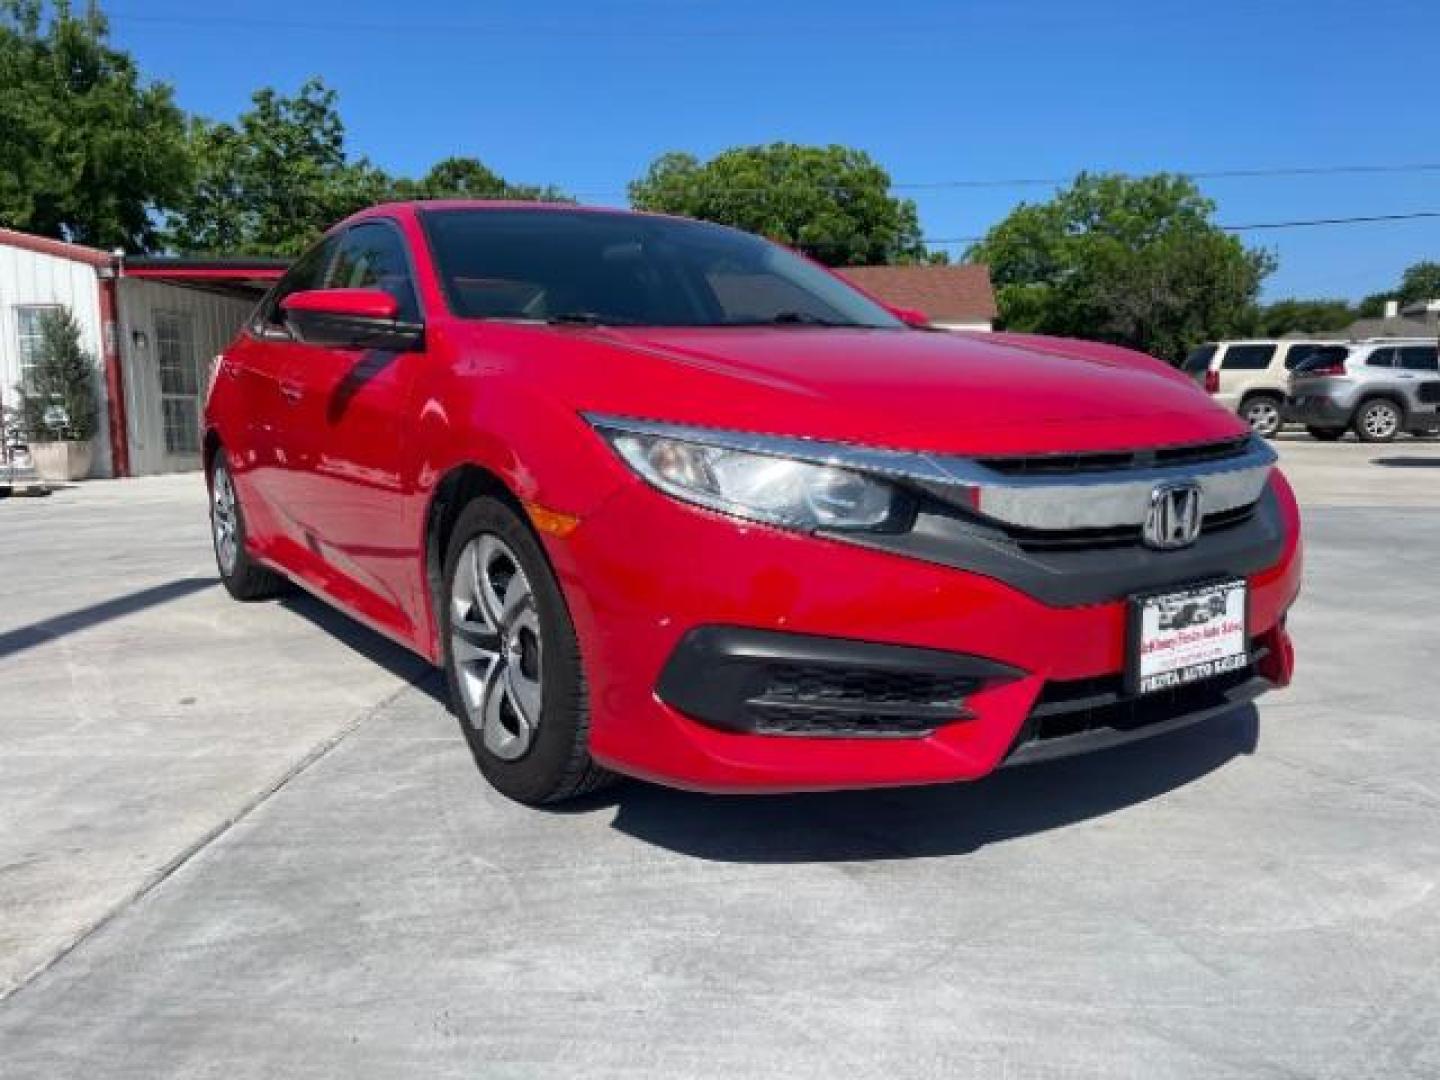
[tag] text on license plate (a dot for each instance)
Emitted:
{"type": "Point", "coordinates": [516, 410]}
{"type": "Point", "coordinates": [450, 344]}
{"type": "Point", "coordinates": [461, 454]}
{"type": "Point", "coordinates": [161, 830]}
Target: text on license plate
{"type": "Point", "coordinates": [1181, 637]}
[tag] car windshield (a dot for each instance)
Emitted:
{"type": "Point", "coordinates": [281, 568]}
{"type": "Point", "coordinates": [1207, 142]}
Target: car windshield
{"type": "Point", "coordinates": [580, 266]}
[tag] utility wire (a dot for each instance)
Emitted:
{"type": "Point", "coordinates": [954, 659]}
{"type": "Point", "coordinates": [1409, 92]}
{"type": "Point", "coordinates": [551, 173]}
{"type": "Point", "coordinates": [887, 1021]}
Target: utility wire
{"type": "Point", "coordinates": [1258, 226]}
{"type": "Point", "coordinates": [1057, 181]}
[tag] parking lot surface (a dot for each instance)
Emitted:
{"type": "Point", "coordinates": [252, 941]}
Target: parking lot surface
{"type": "Point", "coordinates": [247, 841]}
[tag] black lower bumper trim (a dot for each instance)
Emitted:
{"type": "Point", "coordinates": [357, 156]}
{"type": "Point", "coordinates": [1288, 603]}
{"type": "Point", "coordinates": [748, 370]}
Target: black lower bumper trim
{"type": "Point", "coordinates": [773, 683]}
{"type": "Point", "coordinates": [1077, 724]}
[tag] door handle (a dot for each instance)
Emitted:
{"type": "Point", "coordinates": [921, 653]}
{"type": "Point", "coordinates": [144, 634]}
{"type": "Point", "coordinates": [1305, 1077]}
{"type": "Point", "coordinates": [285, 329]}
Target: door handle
{"type": "Point", "coordinates": [292, 392]}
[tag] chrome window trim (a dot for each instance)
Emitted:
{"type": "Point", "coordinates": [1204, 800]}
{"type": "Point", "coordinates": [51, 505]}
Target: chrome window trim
{"type": "Point", "coordinates": [1078, 500]}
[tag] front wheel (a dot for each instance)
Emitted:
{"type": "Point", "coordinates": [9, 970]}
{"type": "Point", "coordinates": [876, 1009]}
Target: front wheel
{"type": "Point", "coordinates": [1378, 421]}
{"type": "Point", "coordinates": [244, 579]}
{"type": "Point", "coordinates": [512, 660]}
{"type": "Point", "coordinates": [1262, 413]}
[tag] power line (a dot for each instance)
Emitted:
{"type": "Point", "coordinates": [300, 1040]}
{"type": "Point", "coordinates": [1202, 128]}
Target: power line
{"type": "Point", "coordinates": [1056, 181]}
{"type": "Point", "coordinates": [532, 28]}
{"type": "Point", "coordinates": [1258, 226]}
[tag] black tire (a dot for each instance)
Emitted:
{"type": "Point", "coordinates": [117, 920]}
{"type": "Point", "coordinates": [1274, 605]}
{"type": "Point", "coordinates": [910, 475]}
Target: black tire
{"type": "Point", "coordinates": [1326, 434]}
{"type": "Point", "coordinates": [555, 763]}
{"type": "Point", "coordinates": [1263, 413]}
{"type": "Point", "coordinates": [1379, 421]}
{"type": "Point", "coordinates": [244, 579]}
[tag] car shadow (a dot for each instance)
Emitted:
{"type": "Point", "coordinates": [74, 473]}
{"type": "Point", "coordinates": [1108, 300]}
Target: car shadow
{"type": "Point", "coordinates": [373, 646]}
{"type": "Point", "coordinates": [116, 607]}
{"type": "Point", "coordinates": [864, 826]}
{"type": "Point", "coordinates": [1407, 462]}
{"type": "Point", "coordinates": [907, 823]}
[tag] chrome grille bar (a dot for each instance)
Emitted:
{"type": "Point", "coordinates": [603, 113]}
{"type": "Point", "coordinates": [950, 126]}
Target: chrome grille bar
{"type": "Point", "coordinates": [1105, 498]}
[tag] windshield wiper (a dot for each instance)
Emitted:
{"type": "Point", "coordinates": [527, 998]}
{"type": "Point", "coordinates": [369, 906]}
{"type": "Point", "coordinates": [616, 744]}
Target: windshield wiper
{"type": "Point", "coordinates": [802, 318]}
{"type": "Point", "coordinates": [588, 318]}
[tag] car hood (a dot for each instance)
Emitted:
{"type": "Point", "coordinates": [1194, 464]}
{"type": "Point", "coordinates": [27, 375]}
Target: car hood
{"type": "Point", "coordinates": [903, 389]}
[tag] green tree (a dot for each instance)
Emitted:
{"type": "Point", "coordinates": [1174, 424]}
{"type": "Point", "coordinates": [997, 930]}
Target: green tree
{"type": "Point", "coordinates": [57, 399]}
{"type": "Point", "coordinates": [1135, 261]}
{"type": "Point", "coordinates": [88, 151]}
{"type": "Point", "coordinates": [1419, 282]}
{"type": "Point", "coordinates": [274, 180]}
{"type": "Point", "coordinates": [1307, 316]}
{"type": "Point", "coordinates": [1373, 306]}
{"type": "Point", "coordinates": [832, 202]}
{"type": "Point", "coordinates": [469, 178]}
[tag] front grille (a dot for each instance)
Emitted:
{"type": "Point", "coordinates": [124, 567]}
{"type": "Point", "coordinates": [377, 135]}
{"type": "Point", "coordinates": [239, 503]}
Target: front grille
{"type": "Point", "coordinates": [812, 699]}
{"type": "Point", "coordinates": [1077, 706]}
{"type": "Point", "coordinates": [1119, 536]}
{"type": "Point", "coordinates": [1429, 393]}
{"type": "Point", "coordinates": [1114, 461]}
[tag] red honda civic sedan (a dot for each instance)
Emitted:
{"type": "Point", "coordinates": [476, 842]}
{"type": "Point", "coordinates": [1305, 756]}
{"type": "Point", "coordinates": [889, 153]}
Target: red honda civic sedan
{"type": "Point", "coordinates": [668, 500]}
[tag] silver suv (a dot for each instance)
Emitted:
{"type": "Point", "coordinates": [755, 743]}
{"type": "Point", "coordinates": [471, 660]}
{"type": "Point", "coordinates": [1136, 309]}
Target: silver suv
{"type": "Point", "coordinates": [1380, 388]}
{"type": "Point", "coordinates": [1249, 377]}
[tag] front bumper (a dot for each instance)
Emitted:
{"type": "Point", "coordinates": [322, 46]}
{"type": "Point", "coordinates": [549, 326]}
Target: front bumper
{"type": "Point", "coordinates": [643, 572]}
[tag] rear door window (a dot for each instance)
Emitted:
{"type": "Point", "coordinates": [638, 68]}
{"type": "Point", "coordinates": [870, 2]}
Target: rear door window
{"type": "Point", "coordinates": [1302, 357]}
{"type": "Point", "coordinates": [1247, 357]}
{"type": "Point", "coordinates": [1419, 358]}
{"type": "Point", "coordinates": [1199, 359]}
{"type": "Point", "coordinates": [1381, 358]}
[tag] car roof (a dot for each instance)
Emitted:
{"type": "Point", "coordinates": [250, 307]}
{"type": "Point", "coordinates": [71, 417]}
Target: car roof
{"type": "Point", "coordinates": [1279, 341]}
{"type": "Point", "coordinates": [417, 206]}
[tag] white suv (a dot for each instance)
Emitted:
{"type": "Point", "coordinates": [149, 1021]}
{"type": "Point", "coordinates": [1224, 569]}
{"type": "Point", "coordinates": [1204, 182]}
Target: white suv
{"type": "Point", "coordinates": [1250, 377]}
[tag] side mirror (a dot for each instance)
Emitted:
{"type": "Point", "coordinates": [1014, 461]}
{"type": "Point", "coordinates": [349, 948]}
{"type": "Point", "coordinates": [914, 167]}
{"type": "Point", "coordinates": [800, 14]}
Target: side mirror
{"type": "Point", "coordinates": [912, 317]}
{"type": "Point", "coordinates": [350, 319]}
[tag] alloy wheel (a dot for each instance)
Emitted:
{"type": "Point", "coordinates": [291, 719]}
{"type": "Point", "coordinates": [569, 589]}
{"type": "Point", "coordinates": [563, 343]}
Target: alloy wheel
{"type": "Point", "coordinates": [1263, 416]}
{"type": "Point", "coordinates": [495, 645]}
{"type": "Point", "coordinates": [1381, 420]}
{"type": "Point", "coordinates": [223, 519]}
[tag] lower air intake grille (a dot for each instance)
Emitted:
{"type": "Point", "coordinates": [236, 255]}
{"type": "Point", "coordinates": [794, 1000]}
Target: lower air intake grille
{"type": "Point", "coordinates": [802, 699]}
{"type": "Point", "coordinates": [1083, 705]}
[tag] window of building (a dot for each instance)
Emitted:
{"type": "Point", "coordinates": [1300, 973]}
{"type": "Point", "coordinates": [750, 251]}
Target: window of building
{"type": "Point", "coordinates": [179, 381]}
{"type": "Point", "coordinates": [27, 323]}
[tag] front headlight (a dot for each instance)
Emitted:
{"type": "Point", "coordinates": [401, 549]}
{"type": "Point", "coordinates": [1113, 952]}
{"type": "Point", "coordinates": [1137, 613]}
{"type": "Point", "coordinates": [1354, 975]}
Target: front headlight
{"type": "Point", "coordinates": [762, 487]}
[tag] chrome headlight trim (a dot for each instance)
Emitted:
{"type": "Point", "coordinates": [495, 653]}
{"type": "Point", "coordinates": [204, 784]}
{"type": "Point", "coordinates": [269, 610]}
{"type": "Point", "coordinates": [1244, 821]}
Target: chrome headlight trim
{"type": "Point", "coordinates": [759, 484]}
{"type": "Point", "coordinates": [1097, 499]}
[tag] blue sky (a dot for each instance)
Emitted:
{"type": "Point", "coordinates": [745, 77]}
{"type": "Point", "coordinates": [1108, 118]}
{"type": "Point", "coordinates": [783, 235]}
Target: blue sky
{"type": "Point", "coordinates": [584, 95]}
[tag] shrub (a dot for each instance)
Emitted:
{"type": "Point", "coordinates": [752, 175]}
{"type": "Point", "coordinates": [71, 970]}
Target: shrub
{"type": "Point", "coordinates": [57, 401]}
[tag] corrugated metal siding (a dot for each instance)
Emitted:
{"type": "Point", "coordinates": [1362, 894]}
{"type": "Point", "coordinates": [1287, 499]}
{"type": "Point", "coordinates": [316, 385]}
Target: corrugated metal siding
{"type": "Point", "coordinates": [214, 321]}
{"type": "Point", "coordinates": [29, 277]}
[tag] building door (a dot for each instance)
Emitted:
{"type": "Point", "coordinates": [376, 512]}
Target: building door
{"type": "Point", "coordinates": [178, 366]}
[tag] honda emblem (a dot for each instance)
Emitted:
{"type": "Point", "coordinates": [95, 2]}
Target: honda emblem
{"type": "Point", "coordinates": [1175, 517]}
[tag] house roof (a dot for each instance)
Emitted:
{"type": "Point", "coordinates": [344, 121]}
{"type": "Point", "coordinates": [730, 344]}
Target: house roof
{"type": "Point", "coordinates": [175, 269]}
{"type": "Point", "coordinates": [59, 248]}
{"type": "Point", "coordinates": [1399, 327]}
{"type": "Point", "coordinates": [245, 273]}
{"type": "Point", "coordinates": [959, 293]}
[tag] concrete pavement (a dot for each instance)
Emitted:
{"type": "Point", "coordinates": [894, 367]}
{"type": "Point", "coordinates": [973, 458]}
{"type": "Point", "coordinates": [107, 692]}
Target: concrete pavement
{"type": "Point", "coordinates": [299, 873]}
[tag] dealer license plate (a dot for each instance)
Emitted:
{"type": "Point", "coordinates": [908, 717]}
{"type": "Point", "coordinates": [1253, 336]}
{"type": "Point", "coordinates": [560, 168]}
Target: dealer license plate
{"type": "Point", "coordinates": [1181, 637]}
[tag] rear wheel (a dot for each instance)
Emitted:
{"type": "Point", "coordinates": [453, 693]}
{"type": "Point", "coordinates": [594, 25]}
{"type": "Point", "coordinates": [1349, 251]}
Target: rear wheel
{"type": "Point", "coordinates": [513, 662]}
{"type": "Point", "coordinates": [1262, 413]}
{"type": "Point", "coordinates": [1326, 434]}
{"type": "Point", "coordinates": [1378, 421]}
{"type": "Point", "coordinates": [243, 578]}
